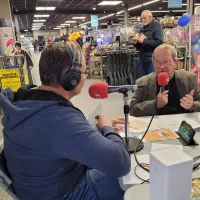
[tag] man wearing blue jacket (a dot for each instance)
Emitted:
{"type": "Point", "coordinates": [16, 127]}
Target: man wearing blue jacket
{"type": "Point", "coordinates": [52, 152]}
{"type": "Point", "coordinates": [150, 37]}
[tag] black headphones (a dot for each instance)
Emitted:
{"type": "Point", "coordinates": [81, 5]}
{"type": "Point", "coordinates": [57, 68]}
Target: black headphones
{"type": "Point", "coordinates": [72, 77]}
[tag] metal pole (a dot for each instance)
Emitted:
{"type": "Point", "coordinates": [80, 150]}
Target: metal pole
{"type": "Point", "coordinates": [190, 4]}
{"type": "Point", "coordinates": [126, 15]}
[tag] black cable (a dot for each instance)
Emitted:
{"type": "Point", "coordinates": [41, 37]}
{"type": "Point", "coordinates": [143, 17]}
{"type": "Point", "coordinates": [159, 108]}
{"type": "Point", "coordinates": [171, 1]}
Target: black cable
{"type": "Point", "coordinates": [146, 131]}
{"type": "Point", "coordinates": [135, 172]}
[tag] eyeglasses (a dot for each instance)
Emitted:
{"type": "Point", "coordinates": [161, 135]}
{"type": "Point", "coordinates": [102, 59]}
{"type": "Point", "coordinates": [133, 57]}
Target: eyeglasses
{"type": "Point", "coordinates": [167, 62]}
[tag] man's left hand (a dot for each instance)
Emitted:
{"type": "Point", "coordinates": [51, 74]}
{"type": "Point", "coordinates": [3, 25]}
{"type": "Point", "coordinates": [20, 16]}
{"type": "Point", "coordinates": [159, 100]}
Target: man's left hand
{"type": "Point", "coordinates": [187, 102]}
{"type": "Point", "coordinates": [117, 121]}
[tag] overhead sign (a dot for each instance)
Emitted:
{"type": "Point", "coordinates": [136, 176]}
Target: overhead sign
{"type": "Point", "coordinates": [94, 21]}
{"type": "Point", "coordinates": [175, 3]}
{"type": "Point", "coordinates": [10, 78]}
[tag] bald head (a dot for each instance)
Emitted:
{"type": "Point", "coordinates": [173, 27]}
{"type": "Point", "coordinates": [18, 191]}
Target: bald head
{"type": "Point", "coordinates": [146, 16]}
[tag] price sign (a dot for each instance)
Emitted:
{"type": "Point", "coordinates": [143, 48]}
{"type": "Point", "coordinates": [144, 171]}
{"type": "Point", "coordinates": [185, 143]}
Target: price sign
{"type": "Point", "coordinates": [10, 78]}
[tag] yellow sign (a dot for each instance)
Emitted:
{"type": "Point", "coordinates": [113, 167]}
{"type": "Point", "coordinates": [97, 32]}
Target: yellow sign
{"type": "Point", "coordinates": [10, 78]}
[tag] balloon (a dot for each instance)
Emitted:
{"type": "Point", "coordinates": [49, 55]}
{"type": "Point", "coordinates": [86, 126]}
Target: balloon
{"type": "Point", "coordinates": [9, 42]}
{"type": "Point", "coordinates": [184, 20]}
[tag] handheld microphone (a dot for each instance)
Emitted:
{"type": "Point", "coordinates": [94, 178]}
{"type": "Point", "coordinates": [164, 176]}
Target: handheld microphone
{"type": "Point", "coordinates": [100, 90]}
{"type": "Point", "coordinates": [163, 80]}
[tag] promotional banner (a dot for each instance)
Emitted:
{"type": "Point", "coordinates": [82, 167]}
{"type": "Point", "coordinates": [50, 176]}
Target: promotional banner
{"type": "Point", "coordinates": [195, 40]}
{"type": "Point", "coordinates": [10, 78]}
{"type": "Point", "coordinates": [174, 3]}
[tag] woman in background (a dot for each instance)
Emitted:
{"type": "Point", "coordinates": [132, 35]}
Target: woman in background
{"type": "Point", "coordinates": [20, 51]}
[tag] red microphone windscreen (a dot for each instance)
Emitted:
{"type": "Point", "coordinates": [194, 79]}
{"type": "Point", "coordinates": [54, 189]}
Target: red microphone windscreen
{"type": "Point", "coordinates": [163, 79]}
{"type": "Point", "coordinates": [98, 90]}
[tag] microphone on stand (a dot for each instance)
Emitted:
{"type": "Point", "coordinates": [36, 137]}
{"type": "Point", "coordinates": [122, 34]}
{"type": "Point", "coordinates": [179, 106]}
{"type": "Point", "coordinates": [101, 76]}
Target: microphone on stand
{"type": "Point", "coordinates": [163, 80]}
{"type": "Point", "coordinates": [100, 90]}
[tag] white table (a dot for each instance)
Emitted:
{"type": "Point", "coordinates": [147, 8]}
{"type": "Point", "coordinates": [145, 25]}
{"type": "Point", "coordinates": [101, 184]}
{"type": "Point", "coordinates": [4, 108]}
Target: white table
{"type": "Point", "coordinates": [192, 151]}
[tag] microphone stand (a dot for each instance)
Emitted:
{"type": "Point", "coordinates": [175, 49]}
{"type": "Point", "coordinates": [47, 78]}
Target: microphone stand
{"type": "Point", "coordinates": [131, 142]}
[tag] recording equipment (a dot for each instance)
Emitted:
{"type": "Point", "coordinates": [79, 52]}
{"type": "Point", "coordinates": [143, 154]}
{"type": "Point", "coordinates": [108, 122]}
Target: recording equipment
{"type": "Point", "coordinates": [72, 77]}
{"type": "Point", "coordinates": [186, 133]}
{"type": "Point", "coordinates": [163, 80]}
{"type": "Point", "coordinates": [100, 90]}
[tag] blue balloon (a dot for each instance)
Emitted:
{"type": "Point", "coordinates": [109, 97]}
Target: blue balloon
{"type": "Point", "coordinates": [184, 20]}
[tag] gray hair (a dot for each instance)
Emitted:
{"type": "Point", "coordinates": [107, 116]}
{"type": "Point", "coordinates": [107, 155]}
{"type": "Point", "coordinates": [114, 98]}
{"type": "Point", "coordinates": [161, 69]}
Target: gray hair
{"type": "Point", "coordinates": [166, 46]}
{"type": "Point", "coordinates": [149, 13]}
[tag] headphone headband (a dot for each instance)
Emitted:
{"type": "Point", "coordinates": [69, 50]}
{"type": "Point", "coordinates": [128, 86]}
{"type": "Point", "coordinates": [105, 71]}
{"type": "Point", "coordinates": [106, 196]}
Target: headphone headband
{"type": "Point", "coordinates": [77, 55]}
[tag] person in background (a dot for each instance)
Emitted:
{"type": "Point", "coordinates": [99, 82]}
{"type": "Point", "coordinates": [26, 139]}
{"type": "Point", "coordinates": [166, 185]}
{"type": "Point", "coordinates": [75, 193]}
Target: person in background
{"type": "Point", "coordinates": [29, 62]}
{"type": "Point", "coordinates": [150, 36]}
{"type": "Point", "coordinates": [51, 150]}
{"type": "Point", "coordinates": [78, 37]}
{"type": "Point", "coordinates": [180, 95]}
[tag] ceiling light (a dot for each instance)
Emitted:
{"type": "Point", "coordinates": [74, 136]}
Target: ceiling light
{"type": "Point", "coordinates": [78, 17]}
{"type": "Point", "coordinates": [60, 26]}
{"type": "Point", "coordinates": [50, 8]}
{"type": "Point", "coordinates": [85, 23]}
{"type": "Point", "coordinates": [65, 24]}
{"type": "Point", "coordinates": [45, 8]}
{"type": "Point", "coordinates": [94, 8]}
{"type": "Point", "coordinates": [150, 2]}
{"type": "Point", "coordinates": [25, 30]}
{"type": "Point", "coordinates": [157, 11]}
{"type": "Point", "coordinates": [135, 7]}
{"type": "Point", "coordinates": [109, 3]}
{"type": "Point", "coordinates": [40, 8]}
{"type": "Point", "coordinates": [39, 20]}
{"type": "Point", "coordinates": [57, 28]}
{"type": "Point", "coordinates": [106, 16]}
{"type": "Point", "coordinates": [70, 22]}
{"type": "Point", "coordinates": [120, 12]}
{"type": "Point", "coordinates": [41, 15]}
{"type": "Point", "coordinates": [37, 24]}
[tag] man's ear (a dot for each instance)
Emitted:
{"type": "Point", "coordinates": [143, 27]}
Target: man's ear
{"type": "Point", "coordinates": [176, 60]}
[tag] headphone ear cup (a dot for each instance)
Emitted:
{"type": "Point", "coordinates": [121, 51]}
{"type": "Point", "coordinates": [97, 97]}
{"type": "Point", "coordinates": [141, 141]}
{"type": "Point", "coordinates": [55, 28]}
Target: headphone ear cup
{"type": "Point", "coordinates": [71, 79]}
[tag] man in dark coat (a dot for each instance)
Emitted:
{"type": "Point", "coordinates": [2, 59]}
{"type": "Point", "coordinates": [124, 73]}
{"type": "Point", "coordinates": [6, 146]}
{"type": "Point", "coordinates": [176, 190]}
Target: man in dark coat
{"type": "Point", "coordinates": [151, 36]}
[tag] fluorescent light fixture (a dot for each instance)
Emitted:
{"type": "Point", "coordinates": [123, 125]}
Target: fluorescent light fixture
{"type": "Point", "coordinates": [21, 36]}
{"type": "Point", "coordinates": [39, 20]}
{"type": "Point", "coordinates": [60, 26]}
{"type": "Point", "coordinates": [150, 2]}
{"type": "Point", "coordinates": [50, 8]}
{"type": "Point", "coordinates": [25, 30]}
{"type": "Point", "coordinates": [40, 8]}
{"type": "Point", "coordinates": [120, 12]}
{"type": "Point", "coordinates": [37, 24]}
{"type": "Point", "coordinates": [85, 23]}
{"type": "Point", "coordinates": [106, 16]}
{"type": "Point", "coordinates": [109, 3]}
{"type": "Point", "coordinates": [45, 8]}
{"type": "Point", "coordinates": [70, 22]}
{"type": "Point", "coordinates": [57, 28]}
{"type": "Point", "coordinates": [78, 17]}
{"type": "Point", "coordinates": [41, 15]}
{"type": "Point", "coordinates": [135, 7]}
{"type": "Point", "coordinates": [35, 29]}
{"type": "Point", "coordinates": [65, 24]}
{"type": "Point", "coordinates": [162, 11]}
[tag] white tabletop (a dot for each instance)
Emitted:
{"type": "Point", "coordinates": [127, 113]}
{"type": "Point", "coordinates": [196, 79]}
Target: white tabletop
{"type": "Point", "coordinates": [192, 151]}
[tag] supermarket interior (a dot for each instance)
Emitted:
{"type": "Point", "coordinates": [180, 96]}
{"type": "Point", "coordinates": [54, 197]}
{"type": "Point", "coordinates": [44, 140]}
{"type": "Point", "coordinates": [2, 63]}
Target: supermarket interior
{"type": "Point", "coordinates": [99, 99]}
